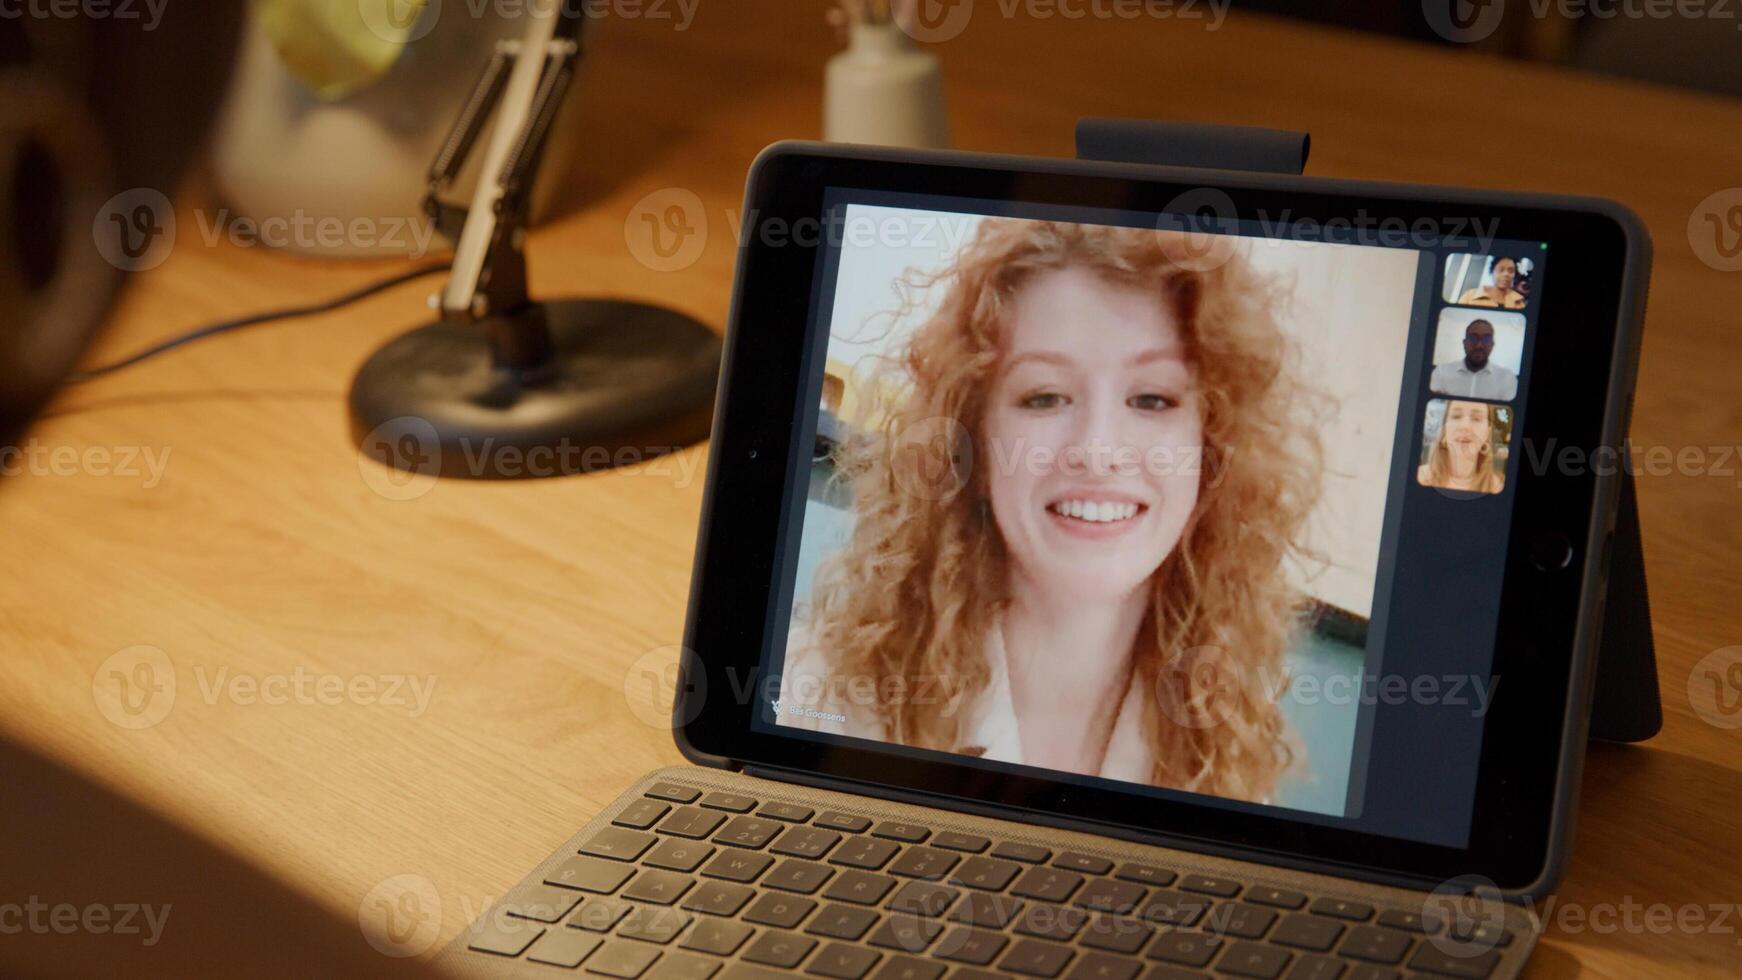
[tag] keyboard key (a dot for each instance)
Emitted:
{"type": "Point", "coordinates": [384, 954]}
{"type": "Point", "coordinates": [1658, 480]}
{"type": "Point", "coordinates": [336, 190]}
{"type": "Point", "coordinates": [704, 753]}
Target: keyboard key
{"type": "Point", "coordinates": [1100, 966]}
{"type": "Point", "coordinates": [658, 887]}
{"type": "Point", "coordinates": [1033, 958]}
{"type": "Point", "coordinates": [746, 971]}
{"type": "Point", "coordinates": [923, 898]}
{"type": "Point", "coordinates": [1411, 921]}
{"type": "Point", "coordinates": [673, 792]}
{"type": "Point", "coordinates": [1027, 853]}
{"type": "Point", "coordinates": [1173, 908]}
{"type": "Point", "coordinates": [793, 875]}
{"type": "Point", "coordinates": [718, 898]}
{"type": "Point", "coordinates": [1340, 909]}
{"type": "Point", "coordinates": [641, 814]}
{"type": "Point", "coordinates": [923, 862]}
{"type": "Point", "coordinates": [782, 949]}
{"type": "Point", "coordinates": [949, 840]}
{"type": "Point", "coordinates": [590, 875]}
{"type": "Point", "coordinates": [843, 961]}
{"type": "Point", "coordinates": [1276, 898]}
{"type": "Point", "coordinates": [677, 854]}
{"type": "Point", "coordinates": [864, 852]}
{"type": "Point", "coordinates": [564, 947]}
{"type": "Point", "coordinates": [599, 914]}
{"type": "Point", "coordinates": [1205, 885]}
{"type": "Point", "coordinates": [730, 802]}
{"type": "Point", "coordinates": [1477, 966]}
{"type": "Point", "coordinates": [908, 968]}
{"type": "Point", "coordinates": [781, 911]}
{"type": "Point", "coordinates": [990, 874]}
{"type": "Point", "coordinates": [1239, 920]}
{"type": "Point", "coordinates": [653, 924]}
{"type": "Point", "coordinates": [540, 903]}
{"type": "Point", "coordinates": [844, 822]}
{"type": "Point", "coordinates": [1184, 948]}
{"type": "Point", "coordinates": [721, 937]}
{"type": "Point", "coordinates": [907, 932]}
{"type": "Point", "coordinates": [622, 959]}
{"type": "Point", "coordinates": [910, 833]}
{"type": "Point", "coordinates": [1104, 895]}
{"type": "Point", "coordinates": [859, 887]}
{"type": "Point", "coordinates": [1145, 874]}
{"type": "Point", "coordinates": [748, 832]}
{"type": "Point", "coordinates": [1476, 933]}
{"type": "Point", "coordinates": [965, 944]}
{"type": "Point", "coordinates": [1252, 960]}
{"type": "Point", "coordinates": [986, 911]}
{"type": "Point", "coordinates": [842, 922]}
{"type": "Point", "coordinates": [1051, 921]}
{"type": "Point", "coordinates": [618, 844]}
{"type": "Point", "coordinates": [733, 865]}
{"type": "Point", "coordinates": [790, 812]}
{"type": "Point", "coordinates": [1086, 863]}
{"type": "Point", "coordinates": [1307, 932]}
{"type": "Point", "coordinates": [1375, 945]}
{"type": "Point", "coordinates": [1313, 967]}
{"type": "Point", "coordinates": [1048, 884]}
{"type": "Point", "coordinates": [505, 936]}
{"type": "Point", "coordinates": [678, 966]}
{"type": "Point", "coordinates": [1116, 934]}
{"type": "Point", "coordinates": [1167, 971]}
{"type": "Point", "coordinates": [687, 821]}
{"type": "Point", "coordinates": [805, 842]}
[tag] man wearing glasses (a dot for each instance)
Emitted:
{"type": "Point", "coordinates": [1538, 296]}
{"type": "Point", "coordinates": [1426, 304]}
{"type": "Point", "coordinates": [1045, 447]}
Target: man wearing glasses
{"type": "Point", "coordinates": [1475, 376]}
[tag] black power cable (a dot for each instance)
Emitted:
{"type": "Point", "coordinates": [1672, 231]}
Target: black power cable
{"type": "Point", "coordinates": [271, 316]}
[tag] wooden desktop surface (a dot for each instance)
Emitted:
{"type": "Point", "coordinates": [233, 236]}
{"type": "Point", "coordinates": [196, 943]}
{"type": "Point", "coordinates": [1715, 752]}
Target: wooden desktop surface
{"type": "Point", "coordinates": [263, 552]}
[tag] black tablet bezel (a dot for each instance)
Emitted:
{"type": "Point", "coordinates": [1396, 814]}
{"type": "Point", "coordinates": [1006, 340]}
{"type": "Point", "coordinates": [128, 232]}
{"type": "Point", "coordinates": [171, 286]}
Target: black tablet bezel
{"type": "Point", "coordinates": [1529, 761]}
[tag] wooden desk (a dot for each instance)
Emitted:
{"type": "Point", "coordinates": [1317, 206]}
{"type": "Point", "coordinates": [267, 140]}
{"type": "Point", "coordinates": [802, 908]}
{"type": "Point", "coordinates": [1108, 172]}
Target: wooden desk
{"type": "Point", "coordinates": [263, 551]}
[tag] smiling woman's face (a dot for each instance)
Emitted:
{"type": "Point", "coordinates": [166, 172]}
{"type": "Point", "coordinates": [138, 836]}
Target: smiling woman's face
{"type": "Point", "coordinates": [1505, 270]}
{"type": "Point", "coordinates": [1093, 435]}
{"type": "Point", "coordinates": [1467, 428]}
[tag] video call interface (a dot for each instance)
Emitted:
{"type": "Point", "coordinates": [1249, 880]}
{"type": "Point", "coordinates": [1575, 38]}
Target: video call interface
{"type": "Point", "coordinates": [1212, 512]}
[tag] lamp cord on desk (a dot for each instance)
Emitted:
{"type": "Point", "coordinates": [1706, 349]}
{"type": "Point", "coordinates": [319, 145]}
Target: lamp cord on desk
{"type": "Point", "coordinates": [271, 316]}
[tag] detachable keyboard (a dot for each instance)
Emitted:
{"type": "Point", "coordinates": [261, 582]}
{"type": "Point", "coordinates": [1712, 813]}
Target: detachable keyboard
{"type": "Point", "coordinates": [698, 874]}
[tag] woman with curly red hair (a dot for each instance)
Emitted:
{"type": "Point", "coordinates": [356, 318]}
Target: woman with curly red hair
{"type": "Point", "coordinates": [1084, 476]}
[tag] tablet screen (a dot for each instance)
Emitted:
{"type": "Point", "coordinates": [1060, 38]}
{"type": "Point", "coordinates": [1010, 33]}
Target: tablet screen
{"type": "Point", "coordinates": [1207, 509]}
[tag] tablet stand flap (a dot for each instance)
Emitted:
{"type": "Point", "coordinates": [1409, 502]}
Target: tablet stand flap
{"type": "Point", "coordinates": [1625, 706]}
{"type": "Point", "coordinates": [1203, 145]}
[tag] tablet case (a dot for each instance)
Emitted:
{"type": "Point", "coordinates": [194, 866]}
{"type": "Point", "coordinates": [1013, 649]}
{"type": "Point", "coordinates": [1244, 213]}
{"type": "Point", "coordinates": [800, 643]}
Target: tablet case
{"type": "Point", "coordinates": [1625, 705]}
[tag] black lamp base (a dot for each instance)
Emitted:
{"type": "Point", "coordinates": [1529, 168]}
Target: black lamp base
{"type": "Point", "coordinates": [620, 383]}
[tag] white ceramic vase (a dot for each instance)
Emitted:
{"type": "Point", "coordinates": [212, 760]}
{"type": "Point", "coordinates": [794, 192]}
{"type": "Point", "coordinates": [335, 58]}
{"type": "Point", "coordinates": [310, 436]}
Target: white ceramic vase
{"type": "Point", "coordinates": [884, 90]}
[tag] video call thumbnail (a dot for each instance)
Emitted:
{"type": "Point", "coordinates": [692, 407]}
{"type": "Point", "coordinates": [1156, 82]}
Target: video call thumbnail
{"type": "Point", "coordinates": [1465, 446]}
{"type": "Point", "coordinates": [1477, 354]}
{"type": "Point", "coordinates": [1501, 282]}
{"type": "Point", "coordinates": [1086, 502]}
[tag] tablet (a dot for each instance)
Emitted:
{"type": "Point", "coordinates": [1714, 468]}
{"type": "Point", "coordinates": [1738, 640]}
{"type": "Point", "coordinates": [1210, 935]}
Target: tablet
{"type": "Point", "coordinates": [1265, 515]}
